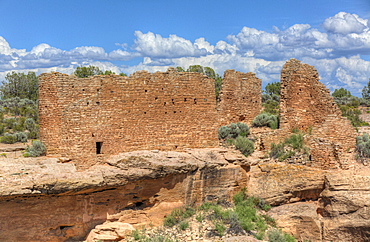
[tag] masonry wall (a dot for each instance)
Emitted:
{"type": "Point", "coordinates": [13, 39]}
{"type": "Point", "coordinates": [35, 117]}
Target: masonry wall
{"type": "Point", "coordinates": [240, 97]}
{"type": "Point", "coordinates": [306, 104]}
{"type": "Point", "coordinates": [80, 117]}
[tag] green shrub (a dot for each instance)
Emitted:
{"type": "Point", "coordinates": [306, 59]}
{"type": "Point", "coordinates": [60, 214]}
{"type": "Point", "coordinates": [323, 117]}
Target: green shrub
{"type": "Point", "coordinates": [184, 225]}
{"type": "Point", "coordinates": [220, 228]}
{"type": "Point", "coordinates": [30, 124]}
{"type": "Point", "coordinates": [265, 119]}
{"type": "Point", "coordinates": [296, 141]}
{"type": "Point", "coordinates": [170, 221]}
{"type": "Point", "coordinates": [233, 130]}
{"type": "Point", "coordinates": [21, 137]}
{"type": "Point", "coordinates": [37, 149]}
{"type": "Point", "coordinates": [275, 235]}
{"type": "Point", "coordinates": [244, 145]}
{"type": "Point", "coordinates": [10, 122]}
{"type": "Point", "coordinates": [8, 138]}
{"type": "Point", "coordinates": [363, 146]}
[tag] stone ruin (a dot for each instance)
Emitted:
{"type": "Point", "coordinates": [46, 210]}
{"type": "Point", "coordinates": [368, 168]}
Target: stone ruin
{"type": "Point", "coordinates": [87, 119]}
{"type": "Point", "coordinates": [240, 97]}
{"type": "Point", "coordinates": [306, 105]}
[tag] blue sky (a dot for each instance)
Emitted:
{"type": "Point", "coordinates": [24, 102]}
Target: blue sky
{"type": "Point", "coordinates": [246, 35]}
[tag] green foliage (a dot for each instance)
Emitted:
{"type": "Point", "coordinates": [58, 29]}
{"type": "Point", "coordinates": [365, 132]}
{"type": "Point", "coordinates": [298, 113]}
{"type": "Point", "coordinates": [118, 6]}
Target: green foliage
{"type": "Point", "coordinates": [122, 74]}
{"type": "Point", "coordinates": [84, 72]}
{"type": "Point", "coordinates": [21, 137]}
{"type": "Point", "coordinates": [271, 107]}
{"type": "Point", "coordinates": [37, 149]}
{"type": "Point", "coordinates": [8, 138]}
{"type": "Point", "coordinates": [266, 119]}
{"type": "Point", "coordinates": [30, 124]}
{"type": "Point", "coordinates": [276, 235]}
{"type": "Point", "coordinates": [363, 146]}
{"type": "Point", "coordinates": [366, 92]}
{"type": "Point", "coordinates": [20, 85]}
{"type": "Point", "coordinates": [244, 145]}
{"type": "Point", "coordinates": [220, 228]}
{"type": "Point", "coordinates": [296, 141]}
{"type": "Point", "coordinates": [184, 225]}
{"type": "Point", "coordinates": [273, 88]}
{"type": "Point", "coordinates": [353, 115]}
{"type": "Point", "coordinates": [288, 148]}
{"type": "Point", "coordinates": [178, 215]}
{"type": "Point", "coordinates": [339, 93]}
{"type": "Point", "coordinates": [180, 69]}
{"type": "Point", "coordinates": [233, 130]}
{"type": "Point", "coordinates": [196, 68]}
{"type": "Point", "coordinates": [108, 72]}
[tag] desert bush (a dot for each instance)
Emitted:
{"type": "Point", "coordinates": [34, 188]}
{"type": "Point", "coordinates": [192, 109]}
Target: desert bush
{"type": "Point", "coordinates": [37, 149]}
{"type": "Point", "coordinates": [29, 124]}
{"type": "Point", "coordinates": [265, 119]}
{"type": "Point", "coordinates": [363, 146]}
{"type": "Point", "coordinates": [244, 145]}
{"type": "Point", "coordinates": [233, 130]}
{"type": "Point", "coordinates": [8, 138]}
{"type": "Point", "coordinates": [10, 122]}
{"type": "Point", "coordinates": [184, 225]}
{"type": "Point", "coordinates": [21, 137]}
{"type": "Point", "coordinates": [276, 235]}
{"type": "Point", "coordinates": [288, 148]}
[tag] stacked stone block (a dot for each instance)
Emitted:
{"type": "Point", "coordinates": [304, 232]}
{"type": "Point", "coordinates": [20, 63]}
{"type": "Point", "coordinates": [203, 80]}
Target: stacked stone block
{"type": "Point", "coordinates": [240, 97]}
{"type": "Point", "coordinates": [88, 118]}
{"type": "Point", "coordinates": [306, 104]}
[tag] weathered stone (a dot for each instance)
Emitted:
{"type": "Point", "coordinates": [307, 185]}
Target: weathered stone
{"type": "Point", "coordinates": [280, 183]}
{"type": "Point", "coordinates": [240, 97]}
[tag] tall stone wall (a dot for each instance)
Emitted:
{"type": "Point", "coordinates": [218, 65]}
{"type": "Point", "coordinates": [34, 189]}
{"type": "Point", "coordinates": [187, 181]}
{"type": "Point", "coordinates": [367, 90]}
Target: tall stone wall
{"type": "Point", "coordinates": [88, 118]}
{"type": "Point", "coordinates": [306, 104]}
{"type": "Point", "coordinates": [240, 97]}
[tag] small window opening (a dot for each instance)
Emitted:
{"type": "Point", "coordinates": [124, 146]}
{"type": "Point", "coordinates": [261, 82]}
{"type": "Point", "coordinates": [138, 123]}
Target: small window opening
{"type": "Point", "coordinates": [98, 147]}
{"type": "Point", "coordinates": [184, 99]}
{"type": "Point", "coordinates": [146, 90]}
{"type": "Point", "coordinates": [144, 112]}
{"type": "Point", "coordinates": [83, 90]}
{"type": "Point", "coordinates": [164, 104]}
{"type": "Point", "coordinates": [165, 112]}
{"type": "Point", "coordinates": [155, 98]}
{"type": "Point", "coordinates": [87, 103]}
{"type": "Point", "coordinates": [111, 91]}
{"type": "Point", "coordinates": [98, 103]}
{"type": "Point", "coordinates": [195, 101]}
{"type": "Point", "coordinates": [92, 135]}
{"type": "Point", "coordinates": [174, 111]}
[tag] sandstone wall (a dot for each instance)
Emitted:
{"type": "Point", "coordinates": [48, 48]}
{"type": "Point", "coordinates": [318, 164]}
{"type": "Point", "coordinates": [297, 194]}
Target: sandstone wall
{"type": "Point", "coordinates": [240, 97]}
{"type": "Point", "coordinates": [164, 111]}
{"type": "Point", "coordinates": [306, 104]}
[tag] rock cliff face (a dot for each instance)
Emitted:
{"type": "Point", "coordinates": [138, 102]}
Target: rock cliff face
{"type": "Point", "coordinates": [45, 200]}
{"type": "Point", "coordinates": [48, 200]}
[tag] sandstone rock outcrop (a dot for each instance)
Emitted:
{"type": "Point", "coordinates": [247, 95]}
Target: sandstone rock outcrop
{"type": "Point", "coordinates": [43, 200]}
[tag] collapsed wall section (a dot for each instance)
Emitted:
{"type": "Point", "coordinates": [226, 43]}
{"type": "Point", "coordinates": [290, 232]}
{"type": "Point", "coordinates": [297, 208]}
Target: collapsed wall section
{"type": "Point", "coordinates": [306, 104]}
{"type": "Point", "coordinates": [240, 97]}
{"type": "Point", "coordinates": [87, 118]}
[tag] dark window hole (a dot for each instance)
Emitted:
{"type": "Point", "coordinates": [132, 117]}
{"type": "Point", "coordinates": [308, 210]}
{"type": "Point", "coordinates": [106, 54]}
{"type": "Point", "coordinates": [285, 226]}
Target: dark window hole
{"type": "Point", "coordinates": [139, 204]}
{"type": "Point", "coordinates": [99, 146]}
{"type": "Point", "coordinates": [97, 103]}
{"type": "Point", "coordinates": [83, 90]}
{"type": "Point", "coordinates": [184, 99]}
{"type": "Point", "coordinates": [144, 112]}
{"type": "Point", "coordinates": [174, 111]}
{"type": "Point", "coordinates": [195, 101]}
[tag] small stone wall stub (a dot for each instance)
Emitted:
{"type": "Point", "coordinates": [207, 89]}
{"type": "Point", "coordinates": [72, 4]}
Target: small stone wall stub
{"type": "Point", "coordinates": [240, 97]}
{"type": "Point", "coordinates": [306, 104]}
{"type": "Point", "coordinates": [164, 111]}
